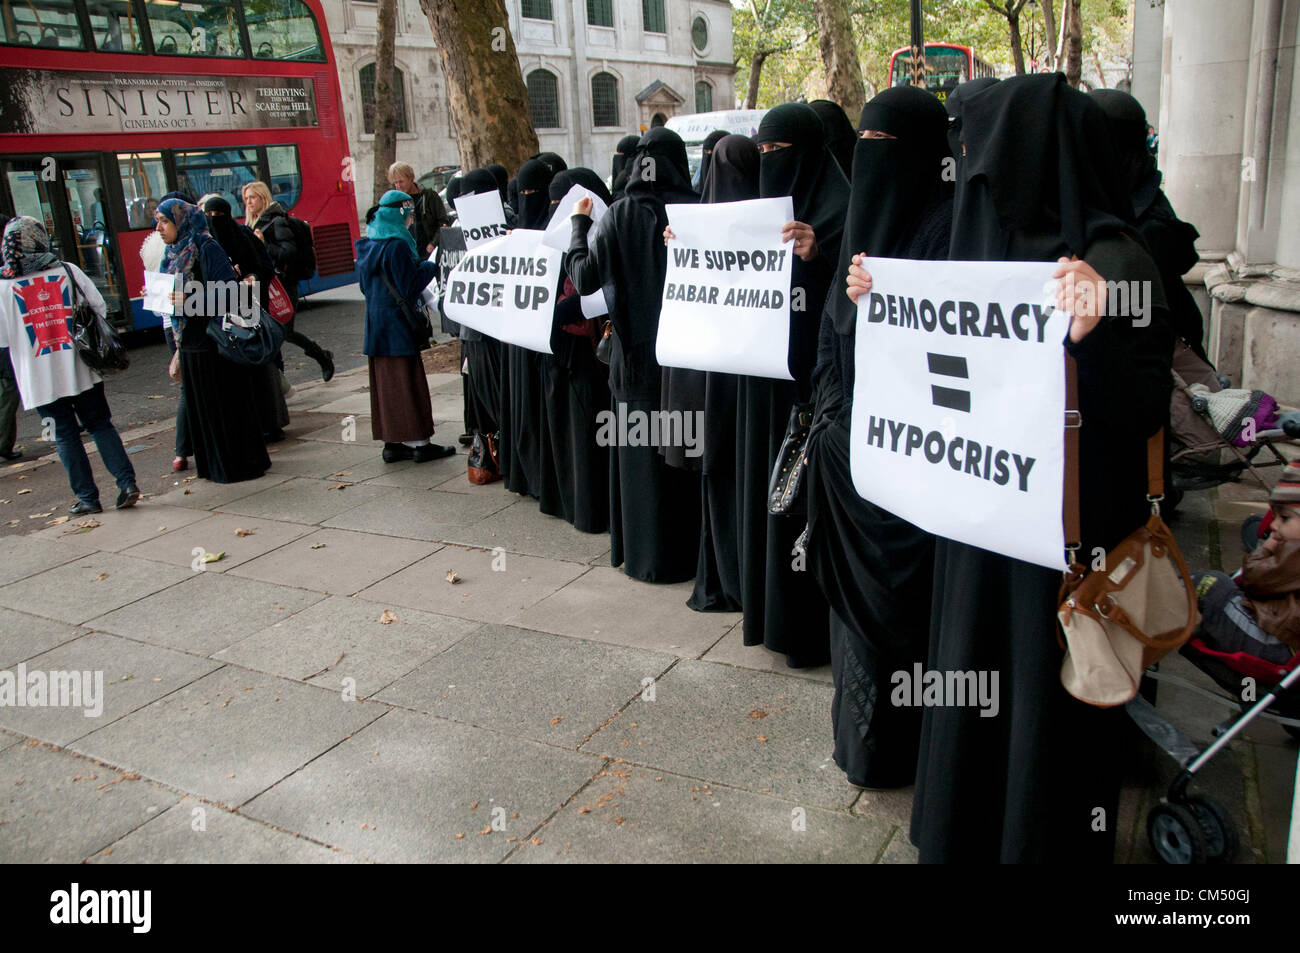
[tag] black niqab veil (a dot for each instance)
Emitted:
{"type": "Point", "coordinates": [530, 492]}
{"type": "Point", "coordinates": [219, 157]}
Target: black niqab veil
{"type": "Point", "coordinates": [894, 181]}
{"type": "Point", "coordinates": [534, 209]}
{"type": "Point", "coordinates": [706, 154]}
{"type": "Point", "coordinates": [567, 179]}
{"type": "Point", "coordinates": [501, 175]}
{"type": "Point", "coordinates": [840, 137]}
{"type": "Point", "coordinates": [733, 176]}
{"type": "Point", "coordinates": [477, 182]}
{"type": "Point", "coordinates": [1039, 180]}
{"type": "Point", "coordinates": [805, 170]}
{"type": "Point", "coordinates": [552, 160]}
{"type": "Point", "coordinates": [623, 153]}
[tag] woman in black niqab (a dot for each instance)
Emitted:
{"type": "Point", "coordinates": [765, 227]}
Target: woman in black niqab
{"type": "Point", "coordinates": [874, 568]}
{"type": "Point", "coordinates": [732, 177]}
{"type": "Point", "coordinates": [1037, 179]}
{"type": "Point", "coordinates": [1171, 241]}
{"type": "Point", "coordinates": [840, 135]}
{"type": "Point", "coordinates": [624, 153]}
{"type": "Point", "coordinates": [654, 508]}
{"type": "Point", "coordinates": [576, 387]}
{"type": "Point", "coordinates": [784, 609]}
{"type": "Point", "coordinates": [706, 154]}
{"type": "Point", "coordinates": [529, 466]}
{"type": "Point", "coordinates": [501, 175]}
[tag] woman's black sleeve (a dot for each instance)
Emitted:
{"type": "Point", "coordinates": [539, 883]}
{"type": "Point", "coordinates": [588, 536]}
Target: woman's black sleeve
{"type": "Point", "coordinates": [585, 264]}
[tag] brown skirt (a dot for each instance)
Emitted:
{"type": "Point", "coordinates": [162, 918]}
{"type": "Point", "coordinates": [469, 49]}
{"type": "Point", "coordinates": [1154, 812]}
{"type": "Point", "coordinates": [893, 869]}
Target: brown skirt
{"type": "Point", "coordinates": [400, 406]}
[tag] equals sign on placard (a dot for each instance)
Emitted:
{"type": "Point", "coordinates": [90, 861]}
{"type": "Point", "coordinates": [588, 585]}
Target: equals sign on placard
{"type": "Point", "coordinates": [947, 365]}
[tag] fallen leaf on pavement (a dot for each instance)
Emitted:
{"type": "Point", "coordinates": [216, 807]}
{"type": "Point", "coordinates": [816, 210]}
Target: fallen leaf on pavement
{"type": "Point", "coordinates": [758, 713]}
{"type": "Point", "coordinates": [213, 557]}
{"type": "Point", "coordinates": [388, 617]}
{"type": "Point", "coordinates": [452, 577]}
{"type": "Point", "coordinates": [556, 720]}
{"type": "Point", "coordinates": [21, 492]}
{"type": "Point", "coordinates": [317, 545]}
{"type": "Point", "coordinates": [762, 737]}
{"type": "Point", "coordinates": [243, 532]}
{"type": "Point", "coordinates": [37, 516]}
{"type": "Point", "coordinates": [57, 521]}
{"type": "Point", "coordinates": [102, 575]}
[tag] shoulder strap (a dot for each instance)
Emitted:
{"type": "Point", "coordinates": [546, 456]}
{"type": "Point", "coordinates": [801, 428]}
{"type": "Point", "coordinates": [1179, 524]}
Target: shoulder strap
{"type": "Point", "coordinates": [76, 290]}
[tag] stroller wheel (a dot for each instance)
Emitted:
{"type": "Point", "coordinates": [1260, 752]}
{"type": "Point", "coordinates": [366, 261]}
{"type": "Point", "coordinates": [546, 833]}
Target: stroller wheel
{"type": "Point", "coordinates": [1216, 825]}
{"type": "Point", "coordinates": [1175, 834]}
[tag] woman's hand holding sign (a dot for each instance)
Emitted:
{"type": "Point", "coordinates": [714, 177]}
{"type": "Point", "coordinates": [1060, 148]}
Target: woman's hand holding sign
{"type": "Point", "coordinates": [1082, 293]}
{"type": "Point", "coordinates": [859, 279]}
{"type": "Point", "coordinates": [583, 207]}
{"type": "Point", "coordinates": [805, 242]}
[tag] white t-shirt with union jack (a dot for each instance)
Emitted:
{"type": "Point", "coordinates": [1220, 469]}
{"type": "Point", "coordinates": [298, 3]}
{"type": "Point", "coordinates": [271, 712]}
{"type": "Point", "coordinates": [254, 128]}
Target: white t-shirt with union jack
{"type": "Point", "coordinates": [36, 326]}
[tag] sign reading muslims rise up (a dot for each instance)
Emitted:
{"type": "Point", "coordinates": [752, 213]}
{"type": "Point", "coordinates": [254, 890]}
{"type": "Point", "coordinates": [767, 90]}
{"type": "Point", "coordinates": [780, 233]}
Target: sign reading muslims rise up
{"type": "Point", "coordinates": [34, 101]}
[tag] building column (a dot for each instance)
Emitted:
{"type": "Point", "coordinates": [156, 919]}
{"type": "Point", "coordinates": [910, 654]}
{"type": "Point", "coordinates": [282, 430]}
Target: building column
{"type": "Point", "coordinates": [1148, 43]}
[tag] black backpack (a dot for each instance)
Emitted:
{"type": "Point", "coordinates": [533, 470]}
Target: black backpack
{"type": "Point", "coordinates": [303, 266]}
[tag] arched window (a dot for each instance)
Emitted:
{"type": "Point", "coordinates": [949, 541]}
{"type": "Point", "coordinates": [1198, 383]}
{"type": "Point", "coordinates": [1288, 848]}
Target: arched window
{"type": "Point", "coordinates": [367, 75]}
{"type": "Point", "coordinates": [652, 15]}
{"type": "Point", "coordinates": [703, 97]}
{"type": "Point", "coordinates": [544, 97]}
{"type": "Point", "coordinates": [658, 120]}
{"type": "Point", "coordinates": [537, 9]}
{"type": "Point", "coordinates": [604, 100]}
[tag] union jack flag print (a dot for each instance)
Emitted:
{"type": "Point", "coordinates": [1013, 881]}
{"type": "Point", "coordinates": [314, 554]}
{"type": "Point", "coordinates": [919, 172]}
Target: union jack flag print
{"type": "Point", "coordinates": [46, 310]}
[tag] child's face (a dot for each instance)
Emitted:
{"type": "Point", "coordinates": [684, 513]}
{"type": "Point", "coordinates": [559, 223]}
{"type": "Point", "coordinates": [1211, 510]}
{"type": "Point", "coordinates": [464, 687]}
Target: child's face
{"type": "Point", "coordinates": [1286, 522]}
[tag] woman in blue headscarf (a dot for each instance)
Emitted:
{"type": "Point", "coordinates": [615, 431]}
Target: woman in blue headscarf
{"type": "Point", "coordinates": [220, 396]}
{"type": "Point", "coordinates": [392, 275]}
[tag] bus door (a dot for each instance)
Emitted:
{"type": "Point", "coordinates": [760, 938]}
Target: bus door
{"type": "Point", "coordinates": [67, 194]}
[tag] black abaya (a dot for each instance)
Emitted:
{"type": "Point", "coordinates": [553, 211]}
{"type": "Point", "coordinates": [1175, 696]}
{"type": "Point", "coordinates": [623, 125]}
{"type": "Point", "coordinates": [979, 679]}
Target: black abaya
{"type": "Point", "coordinates": [1038, 180]}
{"type": "Point", "coordinates": [654, 508]}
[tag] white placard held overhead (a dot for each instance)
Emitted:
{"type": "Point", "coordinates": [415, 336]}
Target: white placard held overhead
{"type": "Point", "coordinates": [482, 217]}
{"type": "Point", "coordinates": [727, 296]}
{"type": "Point", "coordinates": [560, 231]}
{"type": "Point", "coordinates": [506, 289]}
{"type": "Point", "coordinates": [959, 402]}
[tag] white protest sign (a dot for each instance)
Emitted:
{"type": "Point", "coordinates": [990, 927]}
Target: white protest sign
{"type": "Point", "coordinates": [726, 304]}
{"type": "Point", "coordinates": [959, 402]}
{"type": "Point", "coordinates": [482, 217]}
{"type": "Point", "coordinates": [158, 288]}
{"type": "Point", "coordinates": [560, 231]}
{"type": "Point", "coordinates": [506, 289]}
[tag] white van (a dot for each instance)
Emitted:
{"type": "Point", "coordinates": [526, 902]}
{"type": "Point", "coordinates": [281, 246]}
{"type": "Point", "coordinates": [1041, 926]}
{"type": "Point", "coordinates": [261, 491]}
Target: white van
{"type": "Point", "coordinates": [694, 128]}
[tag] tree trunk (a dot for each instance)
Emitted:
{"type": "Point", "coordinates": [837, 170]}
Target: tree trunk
{"type": "Point", "coordinates": [1017, 47]}
{"type": "Point", "coordinates": [1073, 17]}
{"type": "Point", "coordinates": [1049, 34]}
{"type": "Point", "coordinates": [485, 89]}
{"type": "Point", "coordinates": [755, 72]}
{"type": "Point", "coordinates": [840, 55]}
{"type": "Point", "coordinates": [1101, 75]}
{"type": "Point", "coordinates": [385, 144]}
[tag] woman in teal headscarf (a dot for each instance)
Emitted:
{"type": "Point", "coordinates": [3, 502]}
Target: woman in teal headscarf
{"type": "Point", "coordinates": [392, 275]}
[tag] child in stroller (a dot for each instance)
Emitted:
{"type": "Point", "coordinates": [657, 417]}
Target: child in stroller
{"type": "Point", "coordinates": [1258, 612]}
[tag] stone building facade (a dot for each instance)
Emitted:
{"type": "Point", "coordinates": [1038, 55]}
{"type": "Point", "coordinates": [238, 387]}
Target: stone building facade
{"type": "Point", "coordinates": [1221, 81]}
{"type": "Point", "coordinates": [597, 70]}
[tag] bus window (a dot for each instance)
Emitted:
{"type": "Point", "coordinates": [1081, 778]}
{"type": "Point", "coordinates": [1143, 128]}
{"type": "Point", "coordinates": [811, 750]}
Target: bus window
{"type": "Point", "coordinates": [50, 23]}
{"type": "Point", "coordinates": [144, 181]}
{"type": "Point", "coordinates": [282, 30]}
{"type": "Point", "coordinates": [114, 26]}
{"type": "Point", "coordinates": [286, 180]}
{"type": "Point", "coordinates": [223, 171]}
{"type": "Point", "coordinates": [194, 29]}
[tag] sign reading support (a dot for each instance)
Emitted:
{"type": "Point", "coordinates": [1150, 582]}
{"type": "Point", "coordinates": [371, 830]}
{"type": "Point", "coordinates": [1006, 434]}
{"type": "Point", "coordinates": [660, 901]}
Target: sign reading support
{"type": "Point", "coordinates": [481, 217]}
{"type": "Point", "coordinates": [727, 298]}
{"type": "Point", "coordinates": [506, 289]}
{"type": "Point", "coordinates": [959, 402]}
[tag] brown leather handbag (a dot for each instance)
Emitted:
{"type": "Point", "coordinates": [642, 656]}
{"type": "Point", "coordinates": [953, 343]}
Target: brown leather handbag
{"type": "Point", "coordinates": [484, 460]}
{"type": "Point", "coordinates": [1120, 620]}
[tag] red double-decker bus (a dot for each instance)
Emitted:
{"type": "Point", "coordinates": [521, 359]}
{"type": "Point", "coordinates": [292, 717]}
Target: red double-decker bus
{"type": "Point", "coordinates": [946, 66]}
{"type": "Point", "coordinates": [107, 105]}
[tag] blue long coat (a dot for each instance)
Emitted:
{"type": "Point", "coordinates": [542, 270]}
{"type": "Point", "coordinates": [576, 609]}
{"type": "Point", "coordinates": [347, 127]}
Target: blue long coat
{"type": "Point", "coordinates": [388, 333]}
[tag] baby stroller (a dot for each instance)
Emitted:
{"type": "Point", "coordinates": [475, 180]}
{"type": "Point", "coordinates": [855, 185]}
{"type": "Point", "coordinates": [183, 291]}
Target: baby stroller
{"type": "Point", "coordinates": [1216, 433]}
{"type": "Point", "coordinates": [1195, 829]}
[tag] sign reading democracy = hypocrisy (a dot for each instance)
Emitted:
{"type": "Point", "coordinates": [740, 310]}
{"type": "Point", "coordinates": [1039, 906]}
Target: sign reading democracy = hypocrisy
{"type": "Point", "coordinates": [727, 297]}
{"type": "Point", "coordinates": [506, 289]}
{"type": "Point", "coordinates": [959, 402]}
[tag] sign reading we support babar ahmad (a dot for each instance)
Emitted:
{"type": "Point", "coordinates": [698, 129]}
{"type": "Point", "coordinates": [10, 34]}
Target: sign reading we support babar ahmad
{"type": "Point", "coordinates": [959, 402]}
{"type": "Point", "coordinates": [727, 296]}
{"type": "Point", "coordinates": [506, 289]}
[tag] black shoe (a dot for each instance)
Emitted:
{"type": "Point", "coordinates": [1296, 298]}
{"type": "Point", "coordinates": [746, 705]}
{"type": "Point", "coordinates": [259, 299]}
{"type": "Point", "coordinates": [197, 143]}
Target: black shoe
{"type": "Point", "coordinates": [128, 497]}
{"type": "Point", "coordinates": [12, 455]}
{"type": "Point", "coordinates": [327, 366]}
{"type": "Point", "coordinates": [432, 451]}
{"type": "Point", "coordinates": [81, 508]}
{"type": "Point", "coordinates": [465, 439]}
{"type": "Point", "coordinates": [394, 452]}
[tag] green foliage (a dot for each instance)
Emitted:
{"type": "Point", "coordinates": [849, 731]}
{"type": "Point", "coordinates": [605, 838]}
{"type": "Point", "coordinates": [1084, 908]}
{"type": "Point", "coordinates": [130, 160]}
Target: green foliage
{"type": "Point", "coordinates": [882, 26]}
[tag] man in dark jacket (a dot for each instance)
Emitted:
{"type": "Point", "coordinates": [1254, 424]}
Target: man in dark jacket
{"type": "Point", "coordinates": [430, 214]}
